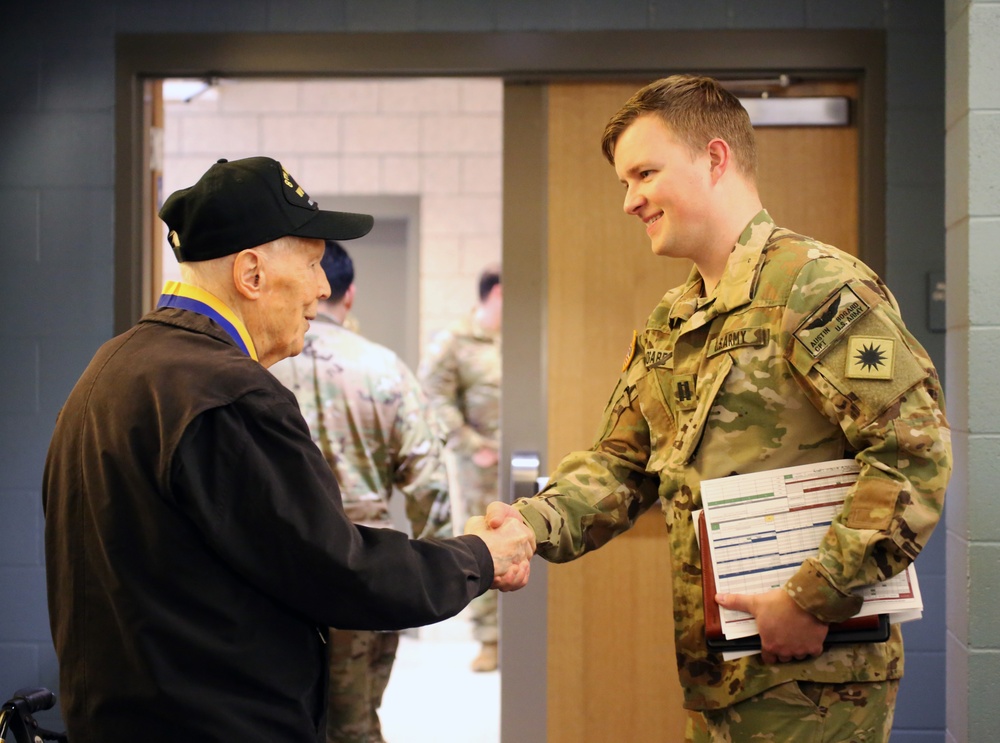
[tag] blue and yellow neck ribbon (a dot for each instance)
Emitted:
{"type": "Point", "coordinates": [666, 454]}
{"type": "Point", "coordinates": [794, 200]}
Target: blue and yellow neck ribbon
{"type": "Point", "coordinates": [187, 297]}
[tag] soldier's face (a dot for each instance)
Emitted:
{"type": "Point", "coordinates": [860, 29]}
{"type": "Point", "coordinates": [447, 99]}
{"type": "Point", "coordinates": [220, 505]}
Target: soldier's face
{"type": "Point", "coordinates": [667, 186]}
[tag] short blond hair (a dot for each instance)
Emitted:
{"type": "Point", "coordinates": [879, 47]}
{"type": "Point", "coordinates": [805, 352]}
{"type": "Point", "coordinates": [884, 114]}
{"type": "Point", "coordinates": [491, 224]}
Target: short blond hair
{"type": "Point", "coordinates": [697, 110]}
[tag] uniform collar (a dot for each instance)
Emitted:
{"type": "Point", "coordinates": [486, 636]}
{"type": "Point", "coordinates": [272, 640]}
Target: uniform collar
{"type": "Point", "coordinates": [475, 329]}
{"type": "Point", "coordinates": [324, 317]}
{"type": "Point", "coordinates": [739, 281]}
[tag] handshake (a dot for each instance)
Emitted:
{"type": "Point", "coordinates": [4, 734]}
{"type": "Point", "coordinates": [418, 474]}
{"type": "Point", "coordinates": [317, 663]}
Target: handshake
{"type": "Point", "coordinates": [510, 541]}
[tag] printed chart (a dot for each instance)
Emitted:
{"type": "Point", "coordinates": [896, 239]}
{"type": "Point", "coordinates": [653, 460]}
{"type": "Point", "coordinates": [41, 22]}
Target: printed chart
{"type": "Point", "coordinates": [762, 526]}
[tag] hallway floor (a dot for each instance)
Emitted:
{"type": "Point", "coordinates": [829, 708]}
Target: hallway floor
{"type": "Point", "coordinates": [432, 695]}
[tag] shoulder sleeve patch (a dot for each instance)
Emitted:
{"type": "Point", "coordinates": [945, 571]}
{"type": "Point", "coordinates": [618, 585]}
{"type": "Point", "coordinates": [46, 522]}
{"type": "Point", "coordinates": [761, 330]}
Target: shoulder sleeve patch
{"type": "Point", "coordinates": [839, 312]}
{"type": "Point", "coordinates": [630, 354]}
{"type": "Point", "coordinates": [870, 358]}
{"type": "Point", "coordinates": [873, 367]}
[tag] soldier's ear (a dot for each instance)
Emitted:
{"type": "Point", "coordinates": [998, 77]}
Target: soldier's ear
{"type": "Point", "coordinates": [719, 157]}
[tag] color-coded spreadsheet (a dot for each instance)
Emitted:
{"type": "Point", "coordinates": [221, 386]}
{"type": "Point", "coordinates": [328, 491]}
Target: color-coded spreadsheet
{"type": "Point", "coordinates": [763, 525]}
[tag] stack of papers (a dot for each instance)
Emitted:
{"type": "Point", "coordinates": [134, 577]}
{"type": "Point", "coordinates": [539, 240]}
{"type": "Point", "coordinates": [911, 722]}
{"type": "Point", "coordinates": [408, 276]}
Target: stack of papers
{"type": "Point", "coordinates": [762, 526]}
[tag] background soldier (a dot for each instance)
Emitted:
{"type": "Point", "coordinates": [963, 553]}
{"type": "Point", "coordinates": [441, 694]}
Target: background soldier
{"type": "Point", "coordinates": [365, 409]}
{"type": "Point", "coordinates": [460, 373]}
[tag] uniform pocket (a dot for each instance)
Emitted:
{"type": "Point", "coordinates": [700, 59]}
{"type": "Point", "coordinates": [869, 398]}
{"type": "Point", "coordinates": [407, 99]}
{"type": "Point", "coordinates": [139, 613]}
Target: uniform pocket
{"type": "Point", "coordinates": [691, 424]}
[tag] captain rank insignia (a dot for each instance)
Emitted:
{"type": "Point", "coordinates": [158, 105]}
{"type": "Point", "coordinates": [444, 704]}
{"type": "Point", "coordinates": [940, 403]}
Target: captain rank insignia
{"type": "Point", "coordinates": [685, 394]}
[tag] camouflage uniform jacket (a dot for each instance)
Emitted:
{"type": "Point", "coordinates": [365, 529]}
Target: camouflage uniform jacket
{"type": "Point", "coordinates": [460, 373]}
{"type": "Point", "coordinates": [365, 411]}
{"type": "Point", "coordinates": [799, 356]}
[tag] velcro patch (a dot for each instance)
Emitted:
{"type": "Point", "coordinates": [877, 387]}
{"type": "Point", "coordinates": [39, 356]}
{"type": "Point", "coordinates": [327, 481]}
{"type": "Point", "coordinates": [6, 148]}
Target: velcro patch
{"type": "Point", "coordinates": [873, 503]}
{"type": "Point", "coordinates": [657, 357]}
{"type": "Point", "coordinates": [870, 358]}
{"type": "Point", "coordinates": [869, 394]}
{"type": "Point", "coordinates": [821, 329]}
{"type": "Point", "coordinates": [631, 350]}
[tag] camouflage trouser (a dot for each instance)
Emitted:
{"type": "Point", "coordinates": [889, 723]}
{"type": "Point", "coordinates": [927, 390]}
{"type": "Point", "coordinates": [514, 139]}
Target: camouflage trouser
{"type": "Point", "coordinates": [360, 663]}
{"type": "Point", "coordinates": [483, 611]}
{"type": "Point", "coordinates": [479, 487]}
{"type": "Point", "coordinates": [803, 712]}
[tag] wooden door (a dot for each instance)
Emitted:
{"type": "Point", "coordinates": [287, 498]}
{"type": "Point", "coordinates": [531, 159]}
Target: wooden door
{"type": "Point", "coordinates": [611, 666]}
{"type": "Point", "coordinates": [808, 176]}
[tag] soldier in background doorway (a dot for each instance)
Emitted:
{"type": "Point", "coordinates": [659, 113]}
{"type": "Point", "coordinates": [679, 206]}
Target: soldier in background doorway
{"type": "Point", "coordinates": [365, 411]}
{"type": "Point", "coordinates": [460, 373]}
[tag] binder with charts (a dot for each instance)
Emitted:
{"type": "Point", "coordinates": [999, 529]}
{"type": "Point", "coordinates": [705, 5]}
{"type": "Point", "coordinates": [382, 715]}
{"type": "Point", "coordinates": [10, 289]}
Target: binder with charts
{"type": "Point", "coordinates": [871, 628]}
{"type": "Point", "coordinates": [757, 529]}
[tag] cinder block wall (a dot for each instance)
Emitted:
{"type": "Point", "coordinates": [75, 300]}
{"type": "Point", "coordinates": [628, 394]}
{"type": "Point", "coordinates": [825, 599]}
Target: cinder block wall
{"type": "Point", "coordinates": [439, 139]}
{"type": "Point", "coordinates": [972, 212]}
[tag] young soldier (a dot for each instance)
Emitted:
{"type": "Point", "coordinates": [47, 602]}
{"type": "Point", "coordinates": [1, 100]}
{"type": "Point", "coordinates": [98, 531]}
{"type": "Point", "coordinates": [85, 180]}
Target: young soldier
{"type": "Point", "coordinates": [777, 351]}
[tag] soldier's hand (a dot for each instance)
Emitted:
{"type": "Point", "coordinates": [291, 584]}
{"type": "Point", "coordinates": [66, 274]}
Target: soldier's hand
{"type": "Point", "coordinates": [787, 631]}
{"type": "Point", "coordinates": [512, 544]}
{"type": "Point", "coordinates": [497, 512]}
{"type": "Point", "coordinates": [485, 456]}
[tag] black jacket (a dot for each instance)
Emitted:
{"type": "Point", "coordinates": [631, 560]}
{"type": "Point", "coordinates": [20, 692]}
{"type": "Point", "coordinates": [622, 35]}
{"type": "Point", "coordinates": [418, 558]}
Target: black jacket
{"type": "Point", "coordinates": [197, 548]}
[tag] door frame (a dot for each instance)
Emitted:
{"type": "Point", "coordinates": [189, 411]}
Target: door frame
{"type": "Point", "coordinates": [525, 61]}
{"type": "Point", "coordinates": [514, 57]}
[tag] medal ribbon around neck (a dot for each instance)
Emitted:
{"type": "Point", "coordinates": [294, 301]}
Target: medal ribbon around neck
{"type": "Point", "coordinates": [186, 297]}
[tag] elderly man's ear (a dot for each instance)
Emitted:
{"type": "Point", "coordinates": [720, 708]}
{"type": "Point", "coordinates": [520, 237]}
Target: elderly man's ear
{"type": "Point", "coordinates": [247, 270]}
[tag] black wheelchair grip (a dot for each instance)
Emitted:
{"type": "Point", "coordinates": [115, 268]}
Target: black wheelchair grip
{"type": "Point", "coordinates": [37, 699]}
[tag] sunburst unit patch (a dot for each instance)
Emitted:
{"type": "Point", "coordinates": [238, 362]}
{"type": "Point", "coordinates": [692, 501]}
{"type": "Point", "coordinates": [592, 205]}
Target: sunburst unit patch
{"type": "Point", "coordinates": [870, 358]}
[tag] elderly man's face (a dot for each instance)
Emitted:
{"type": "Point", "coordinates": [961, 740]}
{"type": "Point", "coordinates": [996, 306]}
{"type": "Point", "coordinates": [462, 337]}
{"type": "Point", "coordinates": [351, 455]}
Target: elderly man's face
{"type": "Point", "coordinates": [290, 296]}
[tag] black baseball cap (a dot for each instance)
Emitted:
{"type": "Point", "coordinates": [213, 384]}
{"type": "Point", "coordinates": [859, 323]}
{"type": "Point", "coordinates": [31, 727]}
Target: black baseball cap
{"type": "Point", "coordinates": [244, 203]}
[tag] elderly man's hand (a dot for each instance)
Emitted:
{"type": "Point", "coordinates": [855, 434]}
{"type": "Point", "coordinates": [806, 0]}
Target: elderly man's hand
{"type": "Point", "coordinates": [511, 543]}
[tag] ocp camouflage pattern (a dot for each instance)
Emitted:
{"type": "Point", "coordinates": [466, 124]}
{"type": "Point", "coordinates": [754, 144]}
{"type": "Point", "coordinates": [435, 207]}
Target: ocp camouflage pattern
{"type": "Point", "coordinates": [360, 665]}
{"type": "Point", "coordinates": [368, 415]}
{"type": "Point", "coordinates": [460, 373]}
{"type": "Point", "coordinates": [756, 377]}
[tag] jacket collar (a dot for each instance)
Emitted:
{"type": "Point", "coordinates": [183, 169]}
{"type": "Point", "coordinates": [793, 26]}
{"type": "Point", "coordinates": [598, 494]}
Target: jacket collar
{"type": "Point", "coordinates": [178, 295]}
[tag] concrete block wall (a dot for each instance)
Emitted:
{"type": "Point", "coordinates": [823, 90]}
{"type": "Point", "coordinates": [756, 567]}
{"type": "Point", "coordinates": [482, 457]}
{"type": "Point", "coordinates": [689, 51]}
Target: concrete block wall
{"type": "Point", "coordinates": [439, 139]}
{"type": "Point", "coordinates": [972, 217]}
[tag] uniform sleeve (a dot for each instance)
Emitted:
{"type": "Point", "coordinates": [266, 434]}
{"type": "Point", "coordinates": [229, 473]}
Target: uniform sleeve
{"type": "Point", "coordinates": [856, 361]}
{"type": "Point", "coordinates": [420, 472]}
{"type": "Point", "coordinates": [258, 489]}
{"type": "Point", "coordinates": [598, 494]}
{"type": "Point", "coordinates": [439, 376]}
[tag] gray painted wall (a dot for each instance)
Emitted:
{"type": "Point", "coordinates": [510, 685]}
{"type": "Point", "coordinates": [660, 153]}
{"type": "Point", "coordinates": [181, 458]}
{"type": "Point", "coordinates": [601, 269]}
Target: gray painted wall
{"type": "Point", "coordinates": [56, 212]}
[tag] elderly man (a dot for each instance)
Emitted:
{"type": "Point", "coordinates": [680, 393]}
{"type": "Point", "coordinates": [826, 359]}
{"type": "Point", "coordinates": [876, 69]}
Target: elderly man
{"type": "Point", "coordinates": [196, 543]}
